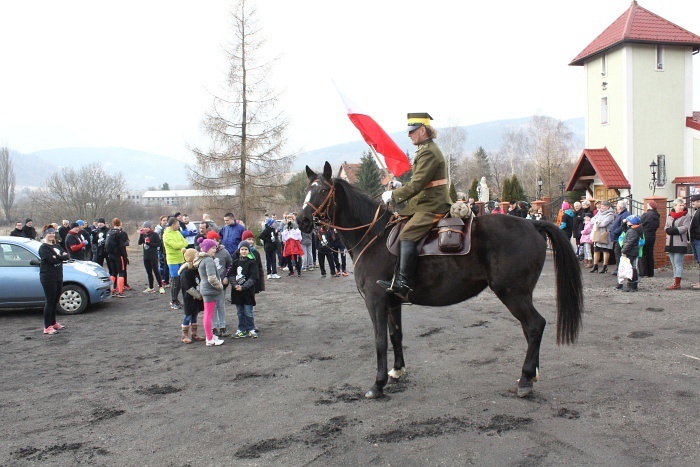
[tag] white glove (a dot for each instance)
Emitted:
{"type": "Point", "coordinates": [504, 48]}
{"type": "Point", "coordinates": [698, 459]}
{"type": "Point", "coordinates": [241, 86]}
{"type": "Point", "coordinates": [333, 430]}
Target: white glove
{"type": "Point", "coordinates": [386, 197]}
{"type": "Point", "coordinates": [395, 184]}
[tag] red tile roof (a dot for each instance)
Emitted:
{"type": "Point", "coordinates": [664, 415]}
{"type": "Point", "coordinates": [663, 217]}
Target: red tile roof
{"type": "Point", "coordinates": [351, 173]}
{"type": "Point", "coordinates": [692, 122]}
{"type": "Point", "coordinates": [601, 163]}
{"type": "Point", "coordinates": [638, 25]}
{"type": "Point", "coordinates": [686, 180]}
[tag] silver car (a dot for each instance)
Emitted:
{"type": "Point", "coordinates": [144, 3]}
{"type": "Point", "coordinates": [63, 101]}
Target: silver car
{"type": "Point", "coordinates": [84, 282]}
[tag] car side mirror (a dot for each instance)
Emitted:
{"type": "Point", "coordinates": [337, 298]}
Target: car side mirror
{"type": "Point", "coordinates": [35, 262]}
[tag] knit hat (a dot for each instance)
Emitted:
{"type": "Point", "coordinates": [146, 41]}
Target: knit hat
{"type": "Point", "coordinates": [633, 220]}
{"type": "Point", "coordinates": [207, 245]}
{"type": "Point", "coordinates": [147, 225]}
{"type": "Point", "coordinates": [49, 230]}
{"type": "Point", "coordinates": [74, 225]}
{"type": "Point", "coordinates": [653, 205]}
{"type": "Point", "coordinates": [27, 220]}
{"type": "Point", "coordinates": [247, 234]}
{"type": "Point", "coordinates": [80, 222]}
{"type": "Point", "coordinates": [565, 205]}
{"type": "Point", "coordinates": [101, 220]}
{"type": "Point", "coordinates": [695, 198]}
{"type": "Point", "coordinates": [270, 222]}
{"type": "Point", "coordinates": [211, 235]}
{"type": "Point", "coordinates": [244, 244]}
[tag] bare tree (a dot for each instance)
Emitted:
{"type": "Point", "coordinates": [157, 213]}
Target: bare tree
{"type": "Point", "coordinates": [7, 183]}
{"type": "Point", "coordinates": [247, 132]}
{"type": "Point", "coordinates": [87, 193]}
{"type": "Point", "coordinates": [452, 141]}
{"type": "Point", "coordinates": [550, 149]}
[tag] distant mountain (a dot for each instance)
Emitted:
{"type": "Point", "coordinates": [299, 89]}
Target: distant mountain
{"type": "Point", "coordinates": [487, 135]}
{"type": "Point", "coordinates": [140, 169]}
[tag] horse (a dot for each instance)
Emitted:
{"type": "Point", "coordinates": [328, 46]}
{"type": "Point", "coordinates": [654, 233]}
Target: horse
{"type": "Point", "coordinates": [507, 255]}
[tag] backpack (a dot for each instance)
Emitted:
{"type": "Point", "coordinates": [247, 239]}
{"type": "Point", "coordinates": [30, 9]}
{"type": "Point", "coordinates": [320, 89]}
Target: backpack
{"type": "Point", "coordinates": [111, 242]}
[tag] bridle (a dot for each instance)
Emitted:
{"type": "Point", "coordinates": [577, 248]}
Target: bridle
{"type": "Point", "coordinates": [321, 215]}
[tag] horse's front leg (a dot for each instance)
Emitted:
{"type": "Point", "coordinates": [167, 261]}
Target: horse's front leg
{"type": "Point", "coordinates": [378, 311]}
{"type": "Point", "coordinates": [396, 337]}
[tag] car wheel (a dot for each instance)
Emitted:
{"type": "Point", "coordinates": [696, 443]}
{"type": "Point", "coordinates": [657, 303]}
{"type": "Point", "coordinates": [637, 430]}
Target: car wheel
{"type": "Point", "coordinates": [73, 300]}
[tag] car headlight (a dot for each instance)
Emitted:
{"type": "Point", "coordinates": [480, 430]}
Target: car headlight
{"type": "Point", "coordinates": [84, 268]}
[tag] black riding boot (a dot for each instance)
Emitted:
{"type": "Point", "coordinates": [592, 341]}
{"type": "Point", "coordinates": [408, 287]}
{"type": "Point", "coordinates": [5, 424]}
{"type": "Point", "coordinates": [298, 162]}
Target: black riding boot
{"type": "Point", "coordinates": [403, 281]}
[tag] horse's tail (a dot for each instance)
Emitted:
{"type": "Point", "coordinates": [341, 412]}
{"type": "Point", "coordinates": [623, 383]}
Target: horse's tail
{"type": "Point", "coordinates": [569, 286]}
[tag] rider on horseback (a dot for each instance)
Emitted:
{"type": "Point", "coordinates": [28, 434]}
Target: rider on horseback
{"type": "Point", "coordinates": [428, 200]}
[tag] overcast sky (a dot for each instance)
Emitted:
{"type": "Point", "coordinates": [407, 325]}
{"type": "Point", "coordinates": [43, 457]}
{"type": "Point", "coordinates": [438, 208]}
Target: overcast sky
{"type": "Point", "coordinates": [139, 74]}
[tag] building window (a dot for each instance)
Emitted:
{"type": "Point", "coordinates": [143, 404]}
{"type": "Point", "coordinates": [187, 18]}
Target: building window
{"type": "Point", "coordinates": [603, 65]}
{"type": "Point", "coordinates": [603, 110]}
{"type": "Point", "coordinates": [659, 57]}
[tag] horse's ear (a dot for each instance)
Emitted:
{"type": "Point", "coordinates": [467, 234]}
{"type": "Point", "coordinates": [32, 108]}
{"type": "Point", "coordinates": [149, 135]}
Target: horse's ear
{"type": "Point", "coordinates": [310, 173]}
{"type": "Point", "coordinates": [327, 171]}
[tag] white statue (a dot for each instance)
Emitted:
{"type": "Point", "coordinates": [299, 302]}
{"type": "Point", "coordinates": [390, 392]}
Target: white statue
{"type": "Point", "coordinates": [483, 191]}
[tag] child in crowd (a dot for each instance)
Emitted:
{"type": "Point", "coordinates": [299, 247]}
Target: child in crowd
{"type": "Point", "coordinates": [586, 241]}
{"type": "Point", "coordinates": [630, 249]}
{"type": "Point", "coordinates": [291, 236]}
{"type": "Point", "coordinates": [192, 299]}
{"type": "Point", "coordinates": [242, 277]}
{"type": "Point", "coordinates": [223, 261]}
{"type": "Point", "coordinates": [210, 286]}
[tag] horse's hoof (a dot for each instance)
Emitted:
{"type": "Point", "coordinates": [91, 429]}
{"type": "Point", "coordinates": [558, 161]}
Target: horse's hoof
{"type": "Point", "coordinates": [524, 392]}
{"type": "Point", "coordinates": [373, 394]}
{"type": "Point", "coordinates": [396, 374]}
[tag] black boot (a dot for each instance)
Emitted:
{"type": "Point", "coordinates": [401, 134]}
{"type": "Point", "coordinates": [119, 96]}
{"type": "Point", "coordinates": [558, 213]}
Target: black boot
{"type": "Point", "coordinates": [594, 269]}
{"type": "Point", "coordinates": [403, 281]}
{"type": "Point", "coordinates": [604, 270]}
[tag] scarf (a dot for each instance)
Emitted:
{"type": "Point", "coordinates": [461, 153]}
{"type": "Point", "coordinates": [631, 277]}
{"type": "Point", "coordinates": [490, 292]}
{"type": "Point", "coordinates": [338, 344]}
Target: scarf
{"type": "Point", "coordinates": [678, 215]}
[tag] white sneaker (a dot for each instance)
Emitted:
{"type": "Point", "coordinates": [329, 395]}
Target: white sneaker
{"type": "Point", "coordinates": [275, 276]}
{"type": "Point", "coordinates": [214, 341]}
{"type": "Point", "coordinates": [269, 276]}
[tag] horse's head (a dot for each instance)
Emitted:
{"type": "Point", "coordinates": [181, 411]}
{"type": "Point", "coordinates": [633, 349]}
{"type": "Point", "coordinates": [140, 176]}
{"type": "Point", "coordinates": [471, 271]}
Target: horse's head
{"type": "Point", "coordinates": [319, 199]}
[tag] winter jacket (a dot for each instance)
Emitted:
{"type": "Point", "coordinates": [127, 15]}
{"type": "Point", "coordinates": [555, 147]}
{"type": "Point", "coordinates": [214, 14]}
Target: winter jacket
{"type": "Point", "coordinates": [189, 279]}
{"type": "Point", "coordinates": [630, 247]}
{"type": "Point", "coordinates": [567, 222]}
{"type": "Point", "coordinates": [75, 244]}
{"type": "Point", "coordinates": [52, 258]}
{"type": "Point", "coordinates": [210, 285]}
{"type": "Point", "coordinates": [677, 233]}
{"type": "Point", "coordinates": [586, 233]}
{"type": "Point", "coordinates": [231, 236]}
{"type": "Point", "coordinates": [695, 226]}
{"type": "Point", "coordinates": [260, 281]}
{"type": "Point", "coordinates": [174, 242]}
{"type": "Point", "coordinates": [650, 224]}
{"type": "Point", "coordinates": [604, 220]}
{"type": "Point", "coordinates": [243, 273]}
{"type": "Point", "coordinates": [151, 244]}
{"type": "Point", "coordinates": [618, 227]}
{"type": "Point", "coordinates": [269, 237]}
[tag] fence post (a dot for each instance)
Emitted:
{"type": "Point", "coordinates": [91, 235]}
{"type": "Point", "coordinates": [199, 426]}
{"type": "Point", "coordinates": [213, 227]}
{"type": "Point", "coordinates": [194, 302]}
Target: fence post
{"type": "Point", "coordinates": [660, 257]}
{"type": "Point", "coordinates": [546, 200]}
{"type": "Point", "coordinates": [504, 206]}
{"type": "Point", "coordinates": [480, 205]}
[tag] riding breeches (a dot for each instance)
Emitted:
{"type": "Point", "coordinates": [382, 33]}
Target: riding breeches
{"type": "Point", "coordinates": [419, 225]}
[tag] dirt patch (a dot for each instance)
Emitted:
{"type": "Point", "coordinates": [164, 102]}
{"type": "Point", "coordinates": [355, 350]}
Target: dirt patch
{"type": "Point", "coordinates": [118, 386]}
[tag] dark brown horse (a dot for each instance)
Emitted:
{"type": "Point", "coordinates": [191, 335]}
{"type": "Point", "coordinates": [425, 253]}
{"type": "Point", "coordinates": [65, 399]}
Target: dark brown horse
{"type": "Point", "coordinates": [507, 255]}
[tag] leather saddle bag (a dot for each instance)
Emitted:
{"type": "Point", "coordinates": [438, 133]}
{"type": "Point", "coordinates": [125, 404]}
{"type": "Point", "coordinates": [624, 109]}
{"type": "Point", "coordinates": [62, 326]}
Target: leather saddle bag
{"type": "Point", "coordinates": [450, 234]}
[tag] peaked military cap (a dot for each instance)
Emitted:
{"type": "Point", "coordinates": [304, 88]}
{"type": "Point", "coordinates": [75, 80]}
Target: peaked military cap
{"type": "Point", "coordinates": [416, 120]}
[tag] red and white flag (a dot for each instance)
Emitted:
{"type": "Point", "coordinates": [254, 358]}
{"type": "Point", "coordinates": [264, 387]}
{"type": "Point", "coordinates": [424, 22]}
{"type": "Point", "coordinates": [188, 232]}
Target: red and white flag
{"type": "Point", "coordinates": [394, 158]}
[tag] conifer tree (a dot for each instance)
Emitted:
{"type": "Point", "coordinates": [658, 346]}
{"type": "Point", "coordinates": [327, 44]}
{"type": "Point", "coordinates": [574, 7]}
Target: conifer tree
{"type": "Point", "coordinates": [516, 189]}
{"type": "Point", "coordinates": [369, 178]}
{"type": "Point", "coordinates": [472, 190]}
{"type": "Point", "coordinates": [506, 194]}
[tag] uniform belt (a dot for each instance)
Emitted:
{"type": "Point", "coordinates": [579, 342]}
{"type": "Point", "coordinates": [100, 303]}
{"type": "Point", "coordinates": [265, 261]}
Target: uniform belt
{"type": "Point", "coordinates": [436, 183]}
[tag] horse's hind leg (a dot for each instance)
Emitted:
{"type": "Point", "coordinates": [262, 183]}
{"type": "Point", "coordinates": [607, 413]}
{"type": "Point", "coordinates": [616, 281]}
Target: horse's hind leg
{"type": "Point", "coordinates": [396, 337]}
{"type": "Point", "coordinates": [533, 327]}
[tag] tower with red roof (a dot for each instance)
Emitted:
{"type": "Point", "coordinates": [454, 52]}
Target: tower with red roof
{"type": "Point", "coordinates": [639, 79]}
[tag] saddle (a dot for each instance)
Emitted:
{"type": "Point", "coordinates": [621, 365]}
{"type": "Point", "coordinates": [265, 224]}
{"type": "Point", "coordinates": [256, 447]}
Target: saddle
{"type": "Point", "coordinates": [451, 236]}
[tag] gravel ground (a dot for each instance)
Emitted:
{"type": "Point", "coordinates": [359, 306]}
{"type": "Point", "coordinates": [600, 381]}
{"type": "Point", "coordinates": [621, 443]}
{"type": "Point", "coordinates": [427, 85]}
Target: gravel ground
{"type": "Point", "coordinates": [117, 387]}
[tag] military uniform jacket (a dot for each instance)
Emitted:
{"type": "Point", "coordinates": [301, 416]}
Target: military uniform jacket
{"type": "Point", "coordinates": [428, 166]}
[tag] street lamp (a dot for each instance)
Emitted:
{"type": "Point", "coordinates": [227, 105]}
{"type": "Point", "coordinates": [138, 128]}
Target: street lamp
{"type": "Point", "coordinates": [561, 187]}
{"type": "Point", "coordinates": [539, 187]}
{"type": "Point", "coordinates": [652, 185]}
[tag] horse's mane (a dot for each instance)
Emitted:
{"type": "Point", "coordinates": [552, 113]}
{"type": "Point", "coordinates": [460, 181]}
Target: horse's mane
{"type": "Point", "coordinates": [362, 206]}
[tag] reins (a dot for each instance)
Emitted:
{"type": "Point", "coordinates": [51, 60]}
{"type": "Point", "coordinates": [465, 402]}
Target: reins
{"type": "Point", "coordinates": [321, 213]}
